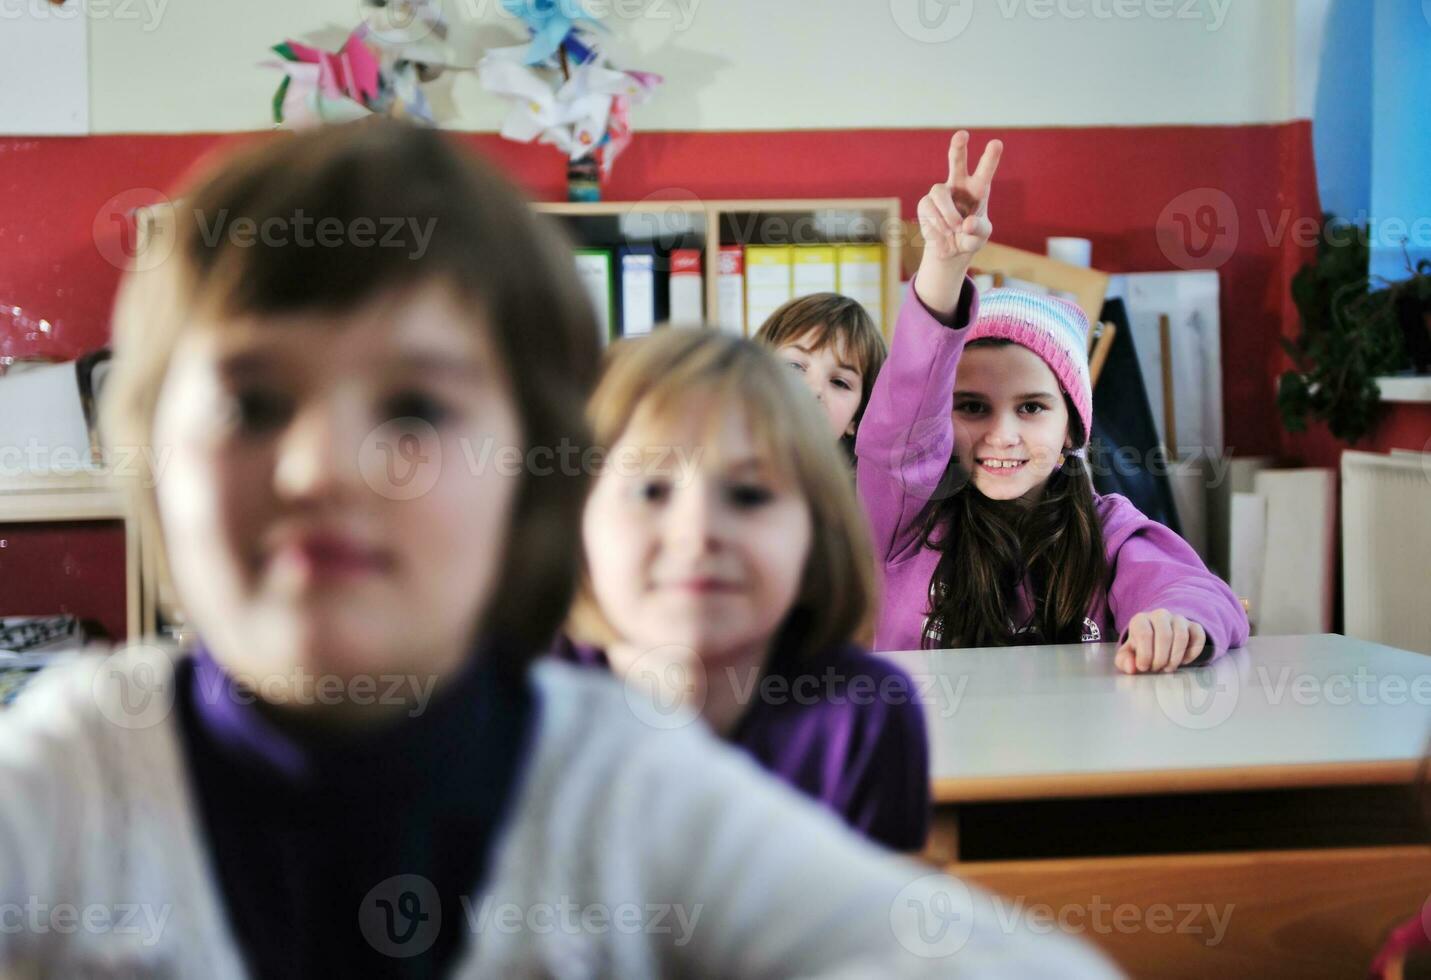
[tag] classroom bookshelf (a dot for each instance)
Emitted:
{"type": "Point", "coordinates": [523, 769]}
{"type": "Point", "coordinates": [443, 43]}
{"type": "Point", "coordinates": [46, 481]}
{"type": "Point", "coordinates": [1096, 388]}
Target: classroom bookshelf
{"type": "Point", "coordinates": [666, 222]}
{"type": "Point", "coordinates": [89, 496]}
{"type": "Point", "coordinates": [684, 221]}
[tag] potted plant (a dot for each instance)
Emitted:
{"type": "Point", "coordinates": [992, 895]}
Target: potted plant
{"type": "Point", "coordinates": [1353, 331]}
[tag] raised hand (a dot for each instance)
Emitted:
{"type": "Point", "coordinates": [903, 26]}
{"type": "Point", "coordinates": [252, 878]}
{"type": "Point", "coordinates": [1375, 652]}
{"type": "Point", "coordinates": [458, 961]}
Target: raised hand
{"type": "Point", "coordinates": [954, 215]}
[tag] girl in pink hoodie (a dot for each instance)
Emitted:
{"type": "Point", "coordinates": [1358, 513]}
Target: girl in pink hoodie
{"type": "Point", "coordinates": [971, 467]}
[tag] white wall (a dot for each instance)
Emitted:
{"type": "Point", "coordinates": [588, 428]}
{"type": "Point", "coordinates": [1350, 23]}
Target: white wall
{"type": "Point", "coordinates": [44, 84]}
{"type": "Point", "coordinates": [191, 65]}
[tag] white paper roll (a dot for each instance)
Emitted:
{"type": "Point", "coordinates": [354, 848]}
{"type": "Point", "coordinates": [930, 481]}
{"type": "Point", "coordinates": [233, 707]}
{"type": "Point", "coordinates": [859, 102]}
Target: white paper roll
{"type": "Point", "coordinates": [1074, 251]}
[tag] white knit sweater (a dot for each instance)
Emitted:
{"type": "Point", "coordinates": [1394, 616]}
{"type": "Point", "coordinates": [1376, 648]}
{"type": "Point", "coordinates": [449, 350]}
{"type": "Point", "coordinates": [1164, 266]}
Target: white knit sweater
{"type": "Point", "coordinates": [629, 852]}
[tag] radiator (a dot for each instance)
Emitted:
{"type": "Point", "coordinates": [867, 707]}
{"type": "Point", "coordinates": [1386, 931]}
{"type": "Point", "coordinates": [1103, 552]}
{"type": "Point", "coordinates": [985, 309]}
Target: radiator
{"type": "Point", "coordinates": [1386, 544]}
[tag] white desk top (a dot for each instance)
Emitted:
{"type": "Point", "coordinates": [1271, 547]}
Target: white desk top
{"type": "Point", "coordinates": [1037, 722]}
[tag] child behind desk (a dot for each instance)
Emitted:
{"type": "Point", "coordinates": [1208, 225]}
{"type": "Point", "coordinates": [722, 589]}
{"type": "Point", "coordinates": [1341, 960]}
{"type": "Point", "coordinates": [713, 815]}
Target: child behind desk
{"type": "Point", "coordinates": [972, 469]}
{"type": "Point", "coordinates": [358, 771]}
{"type": "Point", "coordinates": [750, 568]}
{"type": "Point", "coordinates": [837, 350]}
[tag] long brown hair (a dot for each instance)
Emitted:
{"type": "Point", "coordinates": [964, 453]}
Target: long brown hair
{"type": "Point", "coordinates": [988, 548]}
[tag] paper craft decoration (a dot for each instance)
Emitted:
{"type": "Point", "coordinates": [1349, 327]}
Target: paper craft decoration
{"type": "Point", "coordinates": [561, 87]}
{"type": "Point", "coordinates": [380, 69]}
{"type": "Point", "coordinates": [552, 25]}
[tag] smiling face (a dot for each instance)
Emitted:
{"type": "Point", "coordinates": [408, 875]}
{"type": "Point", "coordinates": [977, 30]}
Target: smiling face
{"type": "Point", "coordinates": [1010, 420]}
{"type": "Point", "coordinates": [317, 509]}
{"type": "Point", "coordinates": [702, 547]}
{"type": "Point", "coordinates": [831, 375]}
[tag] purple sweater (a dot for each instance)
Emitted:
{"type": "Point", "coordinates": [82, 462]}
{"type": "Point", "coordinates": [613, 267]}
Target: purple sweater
{"type": "Point", "coordinates": [905, 442]}
{"type": "Point", "coordinates": [846, 729]}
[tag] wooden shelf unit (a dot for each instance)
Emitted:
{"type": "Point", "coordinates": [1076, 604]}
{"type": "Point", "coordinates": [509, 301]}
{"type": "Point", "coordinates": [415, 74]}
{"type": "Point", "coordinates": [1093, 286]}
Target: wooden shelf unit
{"type": "Point", "coordinates": [88, 496]}
{"type": "Point", "coordinates": [777, 221]}
{"type": "Point", "coordinates": [694, 222]}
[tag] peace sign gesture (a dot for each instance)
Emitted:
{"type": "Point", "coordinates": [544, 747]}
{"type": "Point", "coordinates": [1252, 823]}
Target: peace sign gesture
{"type": "Point", "coordinates": [954, 220]}
{"type": "Point", "coordinates": [954, 215]}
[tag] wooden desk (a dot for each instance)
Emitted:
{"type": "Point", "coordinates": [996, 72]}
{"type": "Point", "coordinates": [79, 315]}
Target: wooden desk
{"type": "Point", "coordinates": [1251, 818]}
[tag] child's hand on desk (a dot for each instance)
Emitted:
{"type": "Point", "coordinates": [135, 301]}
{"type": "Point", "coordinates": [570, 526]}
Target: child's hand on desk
{"type": "Point", "coordinates": [1159, 641]}
{"type": "Point", "coordinates": [954, 221]}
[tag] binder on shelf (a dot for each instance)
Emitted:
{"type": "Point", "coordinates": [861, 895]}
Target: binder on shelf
{"type": "Point", "coordinates": [769, 282]}
{"type": "Point", "coordinates": [638, 290]}
{"type": "Point", "coordinates": [861, 278]}
{"type": "Point", "coordinates": [815, 270]}
{"type": "Point", "coordinates": [593, 268]}
{"type": "Point", "coordinates": [730, 289]}
{"type": "Point", "coordinates": [687, 291]}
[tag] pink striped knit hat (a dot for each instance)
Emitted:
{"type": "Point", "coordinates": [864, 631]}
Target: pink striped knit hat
{"type": "Point", "coordinates": [1054, 329]}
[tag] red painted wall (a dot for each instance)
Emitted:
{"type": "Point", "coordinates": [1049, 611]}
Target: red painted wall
{"type": "Point", "coordinates": [1121, 187]}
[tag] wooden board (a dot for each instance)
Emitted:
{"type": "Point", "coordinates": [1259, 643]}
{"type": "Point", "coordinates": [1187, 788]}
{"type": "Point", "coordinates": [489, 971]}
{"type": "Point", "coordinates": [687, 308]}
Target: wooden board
{"type": "Point", "coordinates": [1305, 914]}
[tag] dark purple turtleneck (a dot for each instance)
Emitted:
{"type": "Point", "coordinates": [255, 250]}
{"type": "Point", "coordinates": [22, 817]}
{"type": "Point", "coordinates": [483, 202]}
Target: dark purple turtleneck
{"type": "Point", "coordinates": [309, 833]}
